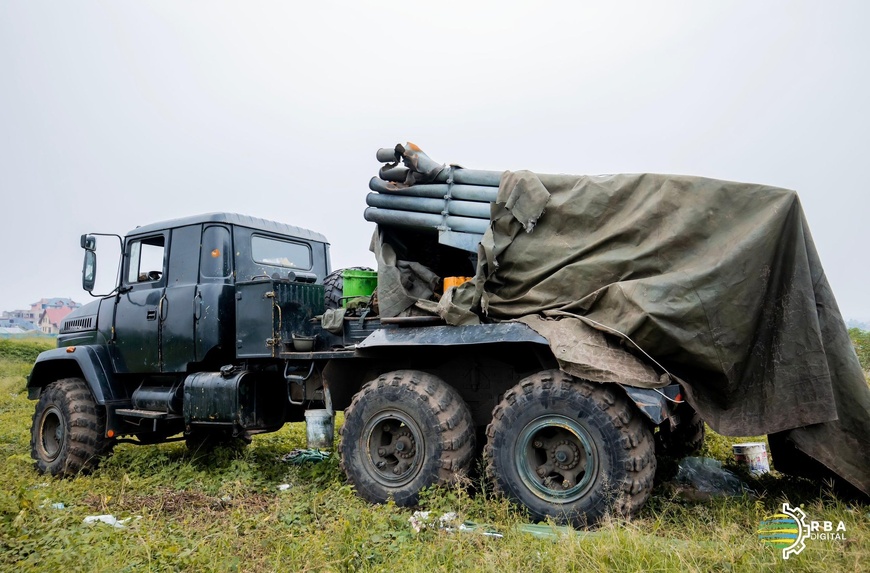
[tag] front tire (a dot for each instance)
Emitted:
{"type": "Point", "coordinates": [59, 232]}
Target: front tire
{"type": "Point", "coordinates": [569, 450]}
{"type": "Point", "coordinates": [68, 434]}
{"type": "Point", "coordinates": [405, 431]}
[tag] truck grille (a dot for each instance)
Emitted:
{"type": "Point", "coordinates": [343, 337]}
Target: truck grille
{"type": "Point", "coordinates": [77, 324]}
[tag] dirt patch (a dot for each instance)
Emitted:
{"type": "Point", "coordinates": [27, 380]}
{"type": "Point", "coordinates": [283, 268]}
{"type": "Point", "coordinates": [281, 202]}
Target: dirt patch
{"type": "Point", "coordinates": [173, 502]}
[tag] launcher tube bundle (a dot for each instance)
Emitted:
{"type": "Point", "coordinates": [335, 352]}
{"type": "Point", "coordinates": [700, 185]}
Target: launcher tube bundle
{"type": "Point", "coordinates": [424, 194]}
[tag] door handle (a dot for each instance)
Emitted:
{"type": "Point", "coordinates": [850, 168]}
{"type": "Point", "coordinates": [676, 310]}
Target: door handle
{"type": "Point", "coordinates": [164, 307]}
{"type": "Point", "coordinates": [151, 314]}
{"type": "Point", "coordinates": [197, 306]}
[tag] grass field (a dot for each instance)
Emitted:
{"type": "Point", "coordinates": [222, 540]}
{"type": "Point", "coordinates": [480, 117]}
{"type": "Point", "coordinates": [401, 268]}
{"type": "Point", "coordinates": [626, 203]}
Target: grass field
{"type": "Point", "coordinates": [223, 511]}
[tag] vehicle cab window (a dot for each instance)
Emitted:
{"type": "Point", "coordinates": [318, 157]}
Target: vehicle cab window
{"type": "Point", "coordinates": [145, 260]}
{"type": "Point", "coordinates": [217, 254]}
{"type": "Point", "coordinates": [280, 253]}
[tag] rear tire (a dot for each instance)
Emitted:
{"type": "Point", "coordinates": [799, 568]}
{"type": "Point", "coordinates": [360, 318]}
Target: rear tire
{"type": "Point", "coordinates": [405, 431]}
{"type": "Point", "coordinates": [684, 440]}
{"type": "Point", "coordinates": [68, 434]}
{"type": "Point", "coordinates": [569, 450]}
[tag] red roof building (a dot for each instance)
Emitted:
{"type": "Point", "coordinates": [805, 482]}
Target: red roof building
{"type": "Point", "coordinates": [50, 319]}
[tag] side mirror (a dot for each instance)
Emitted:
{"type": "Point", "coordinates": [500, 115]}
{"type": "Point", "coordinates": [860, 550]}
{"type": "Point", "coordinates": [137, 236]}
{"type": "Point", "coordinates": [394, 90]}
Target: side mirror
{"type": "Point", "coordinates": [89, 243]}
{"type": "Point", "coordinates": [89, 268]}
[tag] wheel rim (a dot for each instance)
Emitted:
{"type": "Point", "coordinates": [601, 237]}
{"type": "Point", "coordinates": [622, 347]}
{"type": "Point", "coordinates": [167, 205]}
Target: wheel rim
{"type": "Point", "coordinates": [52, 432]}
{"type": "Point", "coordinates": [394, 444]}
{"type": "Point", "coordinates": [556, 459]}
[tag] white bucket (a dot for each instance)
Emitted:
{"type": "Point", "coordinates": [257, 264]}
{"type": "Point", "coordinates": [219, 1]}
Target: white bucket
{"type": "Point", "coordinates": [319, 429]}
{"type": "Point", "coordinates": [753, 455]}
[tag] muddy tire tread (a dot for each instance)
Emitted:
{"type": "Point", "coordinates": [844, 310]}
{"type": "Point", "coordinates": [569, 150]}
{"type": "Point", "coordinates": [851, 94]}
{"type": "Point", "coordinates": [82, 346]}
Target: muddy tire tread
{"type": "Point", "coordinates": [455, 431]}
{"type": "Point", "coordinates": [86, 426]}
{"type": "Point", "coordinates": [636, 448]}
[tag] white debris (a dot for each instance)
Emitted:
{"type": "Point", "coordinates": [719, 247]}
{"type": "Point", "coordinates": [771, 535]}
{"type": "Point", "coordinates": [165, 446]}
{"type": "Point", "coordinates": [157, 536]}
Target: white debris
{"type": "Point", "coordinates": [284, 487]}
{"type": "Point", "coordinates": [108, 520]}
{"type": "Point", "coordinates": [47, 503]}
{"type": "Point", "coordinates": [421, 520]}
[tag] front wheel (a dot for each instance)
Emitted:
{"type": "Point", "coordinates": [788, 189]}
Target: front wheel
{"type": "Point", "coordinates": [569, 450]}
{"type": "Point", "coordinates": [68, 434]}
{"type": "Point", "coordinates": [405, 431]}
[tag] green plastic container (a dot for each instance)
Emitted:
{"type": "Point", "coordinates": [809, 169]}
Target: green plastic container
{"type": "Point", "coordinates": [358, 283]}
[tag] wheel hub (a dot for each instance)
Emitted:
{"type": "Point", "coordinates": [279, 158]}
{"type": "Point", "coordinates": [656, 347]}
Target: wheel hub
{"type": "Point", "coordinates": [566, 455]}
{"type": "Point", "coordinates": [52, 433]}
{"type": "Point", "coordinates": [556, 459]}
{"type": "Point", "coordinates": [391, 438]}
{"type": "Point", "coordinates": [405, 445]}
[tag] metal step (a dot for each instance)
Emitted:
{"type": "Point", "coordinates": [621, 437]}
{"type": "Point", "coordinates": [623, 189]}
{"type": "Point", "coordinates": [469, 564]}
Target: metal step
{"type": "Point", "coordinates": [150, 414]}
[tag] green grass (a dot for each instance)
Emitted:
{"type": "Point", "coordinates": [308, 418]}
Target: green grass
{"type": "Point", "coordinates": [24, 349]}
{"type": "Point", "coordinates": [861, 341]}
{"type": "Point", "coordinates": [223, 512]}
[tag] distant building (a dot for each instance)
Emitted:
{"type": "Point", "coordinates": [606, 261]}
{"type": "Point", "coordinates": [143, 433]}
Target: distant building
{"type": "Point", "coordinates": [45, 315]}
{"type": "Point", "coordinates": [20, 323]}
{"type": "Point", "coordinates": [46, 303]}
{"type": "Point", "coordinates": [27, 315]}
{"type": "Point", "coordinates": [50, 319]}
{"type": "Point", "coordinates": [15, 332]}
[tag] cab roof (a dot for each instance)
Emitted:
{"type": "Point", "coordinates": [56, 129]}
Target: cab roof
{"type": "Point", "coordinates": [232, 219]}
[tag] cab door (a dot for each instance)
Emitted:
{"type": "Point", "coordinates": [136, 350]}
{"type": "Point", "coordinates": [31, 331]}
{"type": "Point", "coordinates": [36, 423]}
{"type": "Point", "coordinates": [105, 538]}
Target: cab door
{"type": "Point", "coordinates": [138, 305]}
{"type": "Point", "coordinates": [177, 309]}
{"type": "Point", "coordinates": [214, 304]}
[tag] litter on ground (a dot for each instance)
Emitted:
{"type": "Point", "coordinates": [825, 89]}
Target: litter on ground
{"type": "Point", "coordinates": [300, 456]}
{"type": "Point", "coordinates": [108, 520]}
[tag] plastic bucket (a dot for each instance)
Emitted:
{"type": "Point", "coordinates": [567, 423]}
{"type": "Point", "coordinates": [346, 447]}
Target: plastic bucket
{"type": "Point", "coordinates": [319, 429]}
{"type": "Point", "coordinates": [358, 283]}
{"type": "Point", "coordinates": [752, 455]}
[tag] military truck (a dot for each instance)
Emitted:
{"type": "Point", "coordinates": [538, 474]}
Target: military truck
{"type": "Point", "coordinates": [597, 306]}
{"type": "Point", "coordinates": [214, 332]}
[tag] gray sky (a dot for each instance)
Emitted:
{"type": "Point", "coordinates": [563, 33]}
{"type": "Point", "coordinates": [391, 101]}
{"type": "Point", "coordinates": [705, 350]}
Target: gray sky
{"type": "Point", "coordinates": [117, 114]}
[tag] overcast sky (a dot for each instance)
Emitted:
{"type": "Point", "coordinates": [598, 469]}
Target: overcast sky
{"type": "Point", "coordinates": [118, 114]}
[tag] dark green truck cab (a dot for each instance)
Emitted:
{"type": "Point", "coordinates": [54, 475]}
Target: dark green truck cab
{"type": "Point", "coordinates": [173, 314]}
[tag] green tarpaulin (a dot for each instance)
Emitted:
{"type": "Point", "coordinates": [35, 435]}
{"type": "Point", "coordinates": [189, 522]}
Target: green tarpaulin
{"type": "Point", "coordinates": [719, 283]}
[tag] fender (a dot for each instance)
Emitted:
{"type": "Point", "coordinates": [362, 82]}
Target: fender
{"type": "Point", "coordinates": [656, 405]}
{"type": "Point", "coordinates": [91, 363]}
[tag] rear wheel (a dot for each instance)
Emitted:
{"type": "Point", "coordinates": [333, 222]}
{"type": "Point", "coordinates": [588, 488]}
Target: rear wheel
{"type": "Point", "coordinates": [684, 440]}
{"type": "Point", "coordinates": [405, 431]}
{"type": "Point", "coordinates": [569, 450]}
{"type": "Point", "coordinates": [68, 434]}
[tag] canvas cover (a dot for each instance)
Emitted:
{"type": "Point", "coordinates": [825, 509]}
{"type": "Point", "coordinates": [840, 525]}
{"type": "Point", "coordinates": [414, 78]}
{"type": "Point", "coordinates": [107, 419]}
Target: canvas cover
{"type": "Point", "coordinates": [716, 283]}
